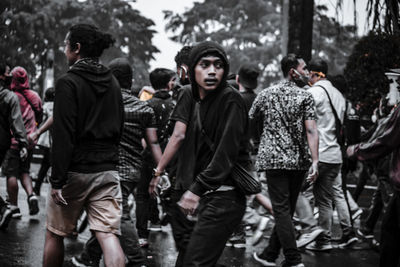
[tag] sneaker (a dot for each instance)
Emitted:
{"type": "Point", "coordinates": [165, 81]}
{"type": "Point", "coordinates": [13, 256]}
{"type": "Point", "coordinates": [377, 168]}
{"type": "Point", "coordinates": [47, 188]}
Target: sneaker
{"type": "Point", "coordinates": [16, 213]}
{"type": "Point", "coordinates": [83, 262]}
{"type": "Point", "coordinates": [5, 217]}
{"type": "Point", "coordinates": [365, 234]}
{"type": "Point", "coordinates": [155, 227]}
{"type": "Point", "coordinates": [143, 242]}
{"type": "Point", "coordinates": [319, 246]}
{"type": "Point", "coordinates": [264, 262]}
{"type": "Point", "coordinates": [33, 204]}
{"type": "Point", "coordinates": [236, 242]}
{"type": "Point", "coordinates": [355, 214]}
{"type": "Point", "coordinates": [347, 240]}
{"type": "Point", "coordinates": [307, 238]}
{"type": "Point", "coordinates": [258, 233]}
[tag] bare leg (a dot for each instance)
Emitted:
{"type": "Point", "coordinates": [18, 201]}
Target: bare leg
{"type": "Point", "coordinates": [265, 202]}
{"type": "Point", "coordinates": [26, 182]}
{"type": "Point", "coordinates": [112, 251]}
{"type": "Point", "coordinates": [12, 190]}
{"type": "Point", "coordinates": [53, 255]}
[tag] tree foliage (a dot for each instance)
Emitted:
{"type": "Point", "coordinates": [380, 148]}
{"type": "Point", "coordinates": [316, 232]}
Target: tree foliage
{"type": "Point", "coordinates": [31, 29]}
{"type": "Point", "coordinates": [251, 31]}
{"type": "Point", "coordinates": [372, 56]}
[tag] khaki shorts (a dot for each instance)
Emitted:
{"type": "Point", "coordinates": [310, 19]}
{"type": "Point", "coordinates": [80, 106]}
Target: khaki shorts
{"type": "Point", "coordinates": [98, 193]}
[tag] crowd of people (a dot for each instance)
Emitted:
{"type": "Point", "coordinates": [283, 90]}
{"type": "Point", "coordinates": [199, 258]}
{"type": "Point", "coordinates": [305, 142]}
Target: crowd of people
{"type": "Point", "coordinates": [175, 145]}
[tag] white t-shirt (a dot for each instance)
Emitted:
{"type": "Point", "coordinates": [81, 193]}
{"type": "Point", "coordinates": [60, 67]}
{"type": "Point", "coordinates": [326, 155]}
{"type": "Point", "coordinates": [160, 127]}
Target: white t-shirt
{"type": "Point", "coordinates": [329, 149]}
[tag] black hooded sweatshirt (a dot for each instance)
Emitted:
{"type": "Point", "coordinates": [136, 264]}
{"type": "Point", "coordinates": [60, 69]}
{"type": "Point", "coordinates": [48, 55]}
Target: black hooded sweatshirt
{"type": "Point", "coordinates": [88, 121]}
{"type": "Point", "coordinates": [224, 120]}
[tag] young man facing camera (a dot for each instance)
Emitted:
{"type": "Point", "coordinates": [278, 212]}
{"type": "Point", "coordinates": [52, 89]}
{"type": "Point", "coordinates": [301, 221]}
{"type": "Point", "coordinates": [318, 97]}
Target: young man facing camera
{"type": "Point", "coordinates": [221, 117]}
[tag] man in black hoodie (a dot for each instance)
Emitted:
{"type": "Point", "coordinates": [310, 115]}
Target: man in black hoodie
{"type": "Point", "coordinates": [88, 121]}
{"type": "Point", "coordinates": [221, 117]}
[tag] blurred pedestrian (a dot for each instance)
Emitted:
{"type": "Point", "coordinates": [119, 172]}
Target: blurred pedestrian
{"type": "Point", "coordinates": [14, 168]}
{"type": "Point", "coordinates": [11, 125]}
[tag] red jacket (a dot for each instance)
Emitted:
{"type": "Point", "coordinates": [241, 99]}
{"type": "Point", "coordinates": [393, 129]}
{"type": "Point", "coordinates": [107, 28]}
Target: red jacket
{"type": "Point", "coordinates": [20, 86]}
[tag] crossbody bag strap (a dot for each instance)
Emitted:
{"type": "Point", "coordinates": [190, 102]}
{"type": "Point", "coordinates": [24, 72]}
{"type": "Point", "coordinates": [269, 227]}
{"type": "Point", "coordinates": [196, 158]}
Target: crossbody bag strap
{"type": "Point", "coordinates": [333, 108]}
{"type": "Point", "coordinates": [207, 139]}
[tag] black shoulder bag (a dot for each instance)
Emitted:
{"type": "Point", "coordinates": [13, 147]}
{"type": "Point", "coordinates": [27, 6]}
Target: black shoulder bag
{"type": "Point", "coordinates": [242, 178]}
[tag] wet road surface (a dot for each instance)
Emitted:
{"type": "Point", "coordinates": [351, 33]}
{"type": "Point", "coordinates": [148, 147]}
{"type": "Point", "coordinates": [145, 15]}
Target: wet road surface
{"type": "Point", "coordinates": [22, 244]}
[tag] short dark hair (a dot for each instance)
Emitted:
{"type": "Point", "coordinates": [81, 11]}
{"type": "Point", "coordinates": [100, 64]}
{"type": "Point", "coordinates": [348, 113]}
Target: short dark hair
{"type": "Point", "coordinates": [122, 70]}
{"type": "Point", "coordinates": [160, 77]}
{"type": "Point", "coordinates": [92, 40]}
{"type": "Point", "coordinates": [248, 75]}
{"type": "Point", "coordinates": [183, 56]}
{"type": "Point", "coordinates": [288, 62]}
{"type": "Point", "coordinates": [49, 94]}
{"type": "Point", "coordinates": [318, 65]}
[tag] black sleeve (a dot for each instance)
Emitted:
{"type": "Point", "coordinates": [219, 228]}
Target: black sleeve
{"type": "Point", "coordinates": [64, 128]}
{"type": "Point", "coordinates": [16, 122]}
{"type": "Point", "coordinates": [183, 107]}
{"type": "Point", "coordinates": [234, 122]}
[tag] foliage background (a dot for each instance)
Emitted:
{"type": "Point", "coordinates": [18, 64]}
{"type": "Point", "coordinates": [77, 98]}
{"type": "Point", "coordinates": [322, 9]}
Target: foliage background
{"type": "Point", "coordinates": [31, 29]}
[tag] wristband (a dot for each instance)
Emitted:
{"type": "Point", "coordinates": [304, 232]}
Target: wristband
{"type": "Point", "coordinates": [157, 173]}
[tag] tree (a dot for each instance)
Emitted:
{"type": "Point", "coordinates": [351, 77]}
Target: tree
{"type": "Point", "coordinates": [301, 27]}
{"type": "Point", "coordinates": [30, 29]}
{"type": "Point", "coordinates": [251, 31]}
{"type": "Point", "coordinates": [372, 56]}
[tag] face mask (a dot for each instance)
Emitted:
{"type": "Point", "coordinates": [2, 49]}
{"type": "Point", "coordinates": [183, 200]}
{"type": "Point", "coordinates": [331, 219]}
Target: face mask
{"type": "Point", "coordinates": [374, 118]}
{"type": "Point", "coordinates": [301, 80]}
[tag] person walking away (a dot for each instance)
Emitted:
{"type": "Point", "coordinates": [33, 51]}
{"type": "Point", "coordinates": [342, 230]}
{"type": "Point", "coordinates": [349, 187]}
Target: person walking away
{"type": "Point", "coordinates": [13, 167]}
{"type": "Point", "coordinates": [11, 125]}
{"type": "Point", "coordinates": [88, 122]}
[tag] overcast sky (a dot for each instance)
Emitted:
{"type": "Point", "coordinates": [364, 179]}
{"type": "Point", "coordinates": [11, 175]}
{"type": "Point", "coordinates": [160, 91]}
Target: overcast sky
{"type": "Point", "coordinates": [153, 9]}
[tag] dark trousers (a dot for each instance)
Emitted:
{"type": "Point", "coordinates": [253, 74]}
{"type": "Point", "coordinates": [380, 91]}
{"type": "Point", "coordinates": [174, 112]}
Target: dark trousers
{"type": "Point", "coordinates": [390, 233]}
{"type": "Point", "coordinates": [284, 187]}
{"type": "Point", "coordinates": [146, 207]}
{"type": "Point", "coordinates": [129, 238]}
{"type": "Point", "coordinates": [219, 214]}
{"type": "Point", "coordinates": [182, 228]}
{"type": "Point", "coordinates": [379, 202]}
{"type": "Point", "coordinates": [44, 167]}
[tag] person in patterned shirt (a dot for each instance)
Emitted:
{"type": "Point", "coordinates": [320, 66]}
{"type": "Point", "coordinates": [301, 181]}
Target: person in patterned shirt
{"type": "Point", "coordinates": [289, 123]}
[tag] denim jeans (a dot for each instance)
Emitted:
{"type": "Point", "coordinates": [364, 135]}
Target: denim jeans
{"type": "Point", "coordinates": [182, 228]}
{"type": "Point", "coordinates": [341, 205]}
{"type": "Point", "coordinates": [305, 213]}
{"type": "Point", "coordinates": [390, 233]}
{"type": "Point", "coordinates": [379, 203]}
{"type": "Point", "coordinates": [323, 193]}
{"type": "Point", "coordinates": [219, 215]}
{"type": "Point", "coordinates": [284, 187]}
{"type": "Point", "coordinates": [146, 207]}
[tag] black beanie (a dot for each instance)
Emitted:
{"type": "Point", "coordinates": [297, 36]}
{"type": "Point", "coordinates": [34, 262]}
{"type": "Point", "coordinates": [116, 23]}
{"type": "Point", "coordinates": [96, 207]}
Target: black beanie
{"type": "Point", "coordinates": [203, 49]}
{"type": "Point", "coordinates": [122, 70]}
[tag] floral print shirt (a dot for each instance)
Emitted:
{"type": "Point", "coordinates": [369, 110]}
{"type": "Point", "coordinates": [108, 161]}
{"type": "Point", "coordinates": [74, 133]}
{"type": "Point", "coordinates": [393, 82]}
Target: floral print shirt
{"type": "Point", "coordinates": [284, 108]}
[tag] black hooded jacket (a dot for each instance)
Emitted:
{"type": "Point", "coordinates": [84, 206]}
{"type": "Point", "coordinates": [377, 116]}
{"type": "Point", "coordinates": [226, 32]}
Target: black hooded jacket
{"type": "Point", "coordinates": [224, 120]}
{"type": "Point", "coordinates": [88, 121]}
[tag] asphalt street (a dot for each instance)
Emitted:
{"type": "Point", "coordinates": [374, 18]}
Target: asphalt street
{"type": "Point", "coordinates": [22, 243]}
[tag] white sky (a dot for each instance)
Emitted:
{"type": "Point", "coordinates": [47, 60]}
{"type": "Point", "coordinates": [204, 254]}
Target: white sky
{"type": "Point", "coordinates": [153, 9]}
